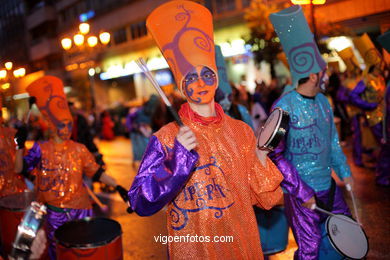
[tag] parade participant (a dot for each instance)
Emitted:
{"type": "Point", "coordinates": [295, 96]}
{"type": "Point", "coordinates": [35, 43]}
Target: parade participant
{"type": "Point", "coordinates": [207, 172]}
{"type": "Point", "coordinates": [353, 76]}
{"type": "Point", "coordinates": [383, 169]}
{"type": "Point", "coordinates": [310, 149]}
{"type": "Point", "coordinates": [59, 163]}
{"type": "Point", "coordinates": [224, 93]}
{"type": "Point", "coordinates": [10, 182]}
{"type": "Point", "coordinates": [368, 94]}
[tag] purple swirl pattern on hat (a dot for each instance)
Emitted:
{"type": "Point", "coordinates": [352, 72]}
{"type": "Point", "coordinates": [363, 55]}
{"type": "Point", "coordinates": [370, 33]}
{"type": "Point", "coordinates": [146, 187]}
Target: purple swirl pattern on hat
{"type": "Point", "coordinates": [371, 56]}
{"type": "Point", "coordinates": [202, 41]}
{"type": "Point", "coordinates": [302, 58]}
{"type": "Point", "coordinates": [60, 102]}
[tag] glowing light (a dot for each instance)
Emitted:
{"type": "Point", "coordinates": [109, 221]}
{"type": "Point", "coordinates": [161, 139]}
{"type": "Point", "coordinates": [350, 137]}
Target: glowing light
{"type": "Point", "coordinates": [307, 2]}
{"type": "Point", "coordinates": [78, 39]}
{"type": "Point", "coordinates": [236, 47]}
{"type": "Point", "coordinates": [19, 72]}
{"type": "Point", "coordinates": [3, 74]}
{"type": "Point", "coordinates": [91, 72]}
{"type": "Point", "coordinates": [5, 86]}
{"type": "Point", "coordinates": [84, 28]}
{"type": "Point", "coordinates": [339, 43]}
{"type": "Point", "coordinates": [104, 37]}
{"type": "Point", "coordinates": [66, 43]}
{"type": "Point", "coordinates": [92, 41]}
{"type": "Point", "coordinates": [8, 65]}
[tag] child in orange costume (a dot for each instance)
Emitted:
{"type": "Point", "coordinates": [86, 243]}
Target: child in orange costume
{"type": "Point", "coordinates": [209, 171]}
{"type": "Point", "coordinates": [59, 162]}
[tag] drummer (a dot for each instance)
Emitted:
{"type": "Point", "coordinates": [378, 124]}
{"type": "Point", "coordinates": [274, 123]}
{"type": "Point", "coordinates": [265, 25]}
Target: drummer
{"type": "Point", "coordinates": [59, 162]}
{"type": "Point", "coordinates": [311, 147]}
{"type": "Point", "coordinates": [207, 172]}
{"type": "Point", "coordinates": [10, 183]}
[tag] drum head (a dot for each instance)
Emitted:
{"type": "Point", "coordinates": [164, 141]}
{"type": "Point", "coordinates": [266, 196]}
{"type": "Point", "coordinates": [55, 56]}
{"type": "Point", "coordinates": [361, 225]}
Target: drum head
{"type": "Point", "coordinates": [347, 238]}
{"type": "Point", "coordinates": [17, 202]}
{"type": "Point", "coordinates": [88, 232]}
{"type": "Point", "coordinates": [269, 129]}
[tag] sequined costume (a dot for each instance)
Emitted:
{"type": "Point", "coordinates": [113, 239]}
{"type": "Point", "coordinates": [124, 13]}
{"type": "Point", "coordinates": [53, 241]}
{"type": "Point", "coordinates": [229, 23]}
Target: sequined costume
{"type": "Point", "coordinates": [368, 95]}
{"type": "Point", "coordinates": [59, 166]}
{"type": "Point", "coordinates": [209, 192]}
{"type": "Point", "coordinates": [310, 149]}
{"type": "Point", "coordinates": [306, 157]}
{"type": "Point", "coordinates": [59, 172]}
{"type": "Point", "coordinates": [10, 182]}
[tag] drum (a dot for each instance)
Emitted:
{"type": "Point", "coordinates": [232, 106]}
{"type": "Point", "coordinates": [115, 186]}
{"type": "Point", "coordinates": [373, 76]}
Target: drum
{"type": "Point", "coordinates": [342, 239]}
{"type": "Point", "coordinates": [89, 238]}
{"type": "Point", "coordinates": [273, 130]}
{"type": "Point", "coordinates": [12, 210]}
{"type": "Point", "coordinates": [28, 230]}
{"type": "Point", "coordinates": [273, 229]}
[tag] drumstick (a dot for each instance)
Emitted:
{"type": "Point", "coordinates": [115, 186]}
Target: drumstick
{"type": "Point", "coordinates": [31, 102]}
{"type": "Point", "coordinates": [103, 207]}
{"type": "Point", "coordinates": [315, 207]}
{"type": "Point", "coordinates": [349, 188]}
{"type": "Point", "coordinates": [142, 65]}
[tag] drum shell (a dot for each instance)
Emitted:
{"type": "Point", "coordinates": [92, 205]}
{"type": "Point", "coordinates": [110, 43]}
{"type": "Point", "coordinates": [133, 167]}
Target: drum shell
{"type": "Point", "coordinates": [9, 221]}
{"type": "Point", "coordinates": [112, 250]}
{"type": "Point", "coordinates": [273, 229]}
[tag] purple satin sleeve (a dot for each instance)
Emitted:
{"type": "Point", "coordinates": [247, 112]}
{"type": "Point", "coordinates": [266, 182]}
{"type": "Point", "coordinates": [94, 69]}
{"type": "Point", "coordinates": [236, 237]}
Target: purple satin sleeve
{"type": "Point", "coordinates": [160, 177]}
{"type": "Point", "coordinates": [292, 182]}
{"type": "Point", "coordinates": [33, 157]}
{"type": "Point", "coordinates": [356, 100]}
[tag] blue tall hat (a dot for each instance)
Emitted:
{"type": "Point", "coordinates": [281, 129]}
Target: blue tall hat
{"type": "Point", "coordinates": [223, 83]}
{"type": "Point", "coordinates": [298, 43]}
{"type": "Point", "coordinates": [384, 40]}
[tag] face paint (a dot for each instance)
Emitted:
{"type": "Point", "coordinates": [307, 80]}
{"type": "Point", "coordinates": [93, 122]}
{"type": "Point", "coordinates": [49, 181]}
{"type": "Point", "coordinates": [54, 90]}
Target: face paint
{"type": "Point", "coordinates": [200, 89]}
{"type": "Point", "coordinates": [323, 80]}
{"type": "Point", "coordinates": [64, 129]}
{"type": "Point", "coordinates": [225, 103]}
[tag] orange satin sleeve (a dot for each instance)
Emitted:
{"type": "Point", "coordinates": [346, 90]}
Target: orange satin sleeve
{"type": "Point", "coordinates": [264, 181]}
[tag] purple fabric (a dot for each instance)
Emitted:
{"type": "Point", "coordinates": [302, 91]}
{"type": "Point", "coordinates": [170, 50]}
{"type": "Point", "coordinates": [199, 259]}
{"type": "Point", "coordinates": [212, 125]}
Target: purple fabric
{"type": "Point", "coordinates": [383, 165]}
{"type": "Point", "coordinates": [357, 141]}
{"type": "Point", "coordinates": [55, 219]}
{"type": "Point", "coordinates": [356, 100]}
{"type": "Point", "coordinates": [305, 223]}
{"type": "Point", "coordinates": [292, 182]}
{"type": "Point", "coordinates": [160, 177]}
{"type": "Point", "coordinates": [33, 157]}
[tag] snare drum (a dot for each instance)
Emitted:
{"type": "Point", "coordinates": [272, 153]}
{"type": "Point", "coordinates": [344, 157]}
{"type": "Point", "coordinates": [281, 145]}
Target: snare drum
{"type": "Point", "coordinates": [28, 230]}
{"type": "Point", "coordinates": [12, 210]}
{"type": "Point", "coordinates": [342, 239]}
{"type": "Point", "coordinates": [273, 130]}
{"type": "Point", "coordinates": [89, 238]}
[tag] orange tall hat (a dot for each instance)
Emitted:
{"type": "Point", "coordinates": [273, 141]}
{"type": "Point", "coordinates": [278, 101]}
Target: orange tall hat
{"type": "Point", "coordinates": [50, 98]}
{"type": "Point", "coordinates": [367, 50]}
{"type": "Point", "coordinates": [183, 30]}
{"type": "Point", "coordinates": [349, 59]}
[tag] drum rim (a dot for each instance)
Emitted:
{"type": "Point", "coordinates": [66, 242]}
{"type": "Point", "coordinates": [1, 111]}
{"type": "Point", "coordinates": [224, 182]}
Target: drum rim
{"type": "Point", "coordinates": [279, 131]}
{"type": "Point", "coordinates": [335, 246]}
{"type": "Point", "coordinates": [89, 245]}
{"type": "Point", "coordinates": [14, 209]}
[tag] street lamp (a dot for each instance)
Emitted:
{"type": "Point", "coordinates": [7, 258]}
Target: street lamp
{"type": "Point", "coordinates": [7, 75]}
{"type": "Point", "coordinates": [83, 42]}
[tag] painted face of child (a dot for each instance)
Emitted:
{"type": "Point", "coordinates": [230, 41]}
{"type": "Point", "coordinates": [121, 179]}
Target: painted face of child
{"type": "Point", "coordinates": [64, 129]}
{"type": "Point", "coordinates": [199, 85]}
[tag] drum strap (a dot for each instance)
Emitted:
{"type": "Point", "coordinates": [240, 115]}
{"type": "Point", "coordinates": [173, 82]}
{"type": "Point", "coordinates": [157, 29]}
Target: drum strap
{"type": "Point", "coordinates": [328, 206]}
{"type": "Point", "coordinates": [57, 209]}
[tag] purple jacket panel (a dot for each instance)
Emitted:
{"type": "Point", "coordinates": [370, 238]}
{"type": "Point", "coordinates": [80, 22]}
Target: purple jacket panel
{"type": "Point", "coordinates": [161, 176]}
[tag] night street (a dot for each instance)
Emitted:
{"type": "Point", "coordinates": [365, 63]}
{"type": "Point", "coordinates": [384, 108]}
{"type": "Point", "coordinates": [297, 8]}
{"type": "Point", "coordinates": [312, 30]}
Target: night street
{"type": "Point", "coordinates": [138, 232]}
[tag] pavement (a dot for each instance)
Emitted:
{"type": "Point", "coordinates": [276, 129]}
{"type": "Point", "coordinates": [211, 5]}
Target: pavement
{"type": "Point", "coordinates": [373, 204]}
